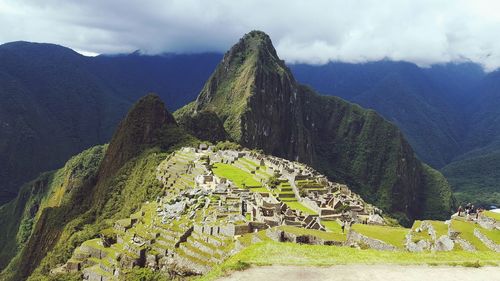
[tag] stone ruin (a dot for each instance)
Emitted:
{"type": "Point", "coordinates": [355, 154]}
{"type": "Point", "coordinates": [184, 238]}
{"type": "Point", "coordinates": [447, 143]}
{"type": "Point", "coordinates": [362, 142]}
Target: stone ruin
{"type": "Point", "coordinates": [190, 228]}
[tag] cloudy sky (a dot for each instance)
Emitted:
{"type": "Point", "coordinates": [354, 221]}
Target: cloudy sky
{"type": "Point", "coordinates": [420, 31]}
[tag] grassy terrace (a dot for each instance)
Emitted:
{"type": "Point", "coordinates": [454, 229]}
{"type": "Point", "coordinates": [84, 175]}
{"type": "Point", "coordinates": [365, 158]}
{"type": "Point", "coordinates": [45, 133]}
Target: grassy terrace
{"type": "Point", "coordinates": [249, 162]}
{"type": "Point", "coordinates": [266, 253]}
{"type": "Point", "coordinates": [493, 215]}
{"type": "Point", "coordinates": [239, 177]}
{"type": "Point", "coordinates": [440, 227]}
{"type": "Point", "coordinates": [467, 232]}
{"type": "Point", "coordinates": [296, 205]}
{"type": "Point", "coordinates": [390, 235]}
{"type": "Point", "coordinates": [285, 188]}
{"type": "Point", "coordinates": [493, 235]}
{"type": "Point", "coordinates": [332, 226]}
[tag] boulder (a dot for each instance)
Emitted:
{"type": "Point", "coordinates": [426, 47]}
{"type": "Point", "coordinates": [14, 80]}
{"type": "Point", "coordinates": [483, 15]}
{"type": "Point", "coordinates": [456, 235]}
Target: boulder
{"type": "Point", "coordinates": [444, 243]}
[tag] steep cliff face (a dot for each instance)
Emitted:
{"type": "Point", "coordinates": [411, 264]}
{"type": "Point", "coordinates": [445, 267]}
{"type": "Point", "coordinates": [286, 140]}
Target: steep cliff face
{"type": "Point", "coordinates": [262, 106]}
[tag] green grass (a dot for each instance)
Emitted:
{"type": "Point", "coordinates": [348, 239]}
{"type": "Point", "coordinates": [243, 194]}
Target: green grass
{"type": "Point", "coordinates": [332, 226]}
{"type": "Point", "coordinates": [249, 162]}
{"type": "Point", "coordinates": [416, 224]}
{"type": "Point", "coordinates": [259, 189]}
{"type": "Point", "coordinates": [440, 227]}
{"type": "Point", "coordinates": [390, 235]}
{"type": "Point", "coordinates": [239, 177]}
{"type": "Point", "coordinates": [275, 253]}
{"type": "Point", "coordinates": [493, 235]}
{"type": "Point", "coordinates": [295, 205]}
{"type": "Point", "coordinates": [467, 232]}
{"type": "Point", "coordinates": [263, 236]}
{"type": "Point", "coordinates": [493, 215]}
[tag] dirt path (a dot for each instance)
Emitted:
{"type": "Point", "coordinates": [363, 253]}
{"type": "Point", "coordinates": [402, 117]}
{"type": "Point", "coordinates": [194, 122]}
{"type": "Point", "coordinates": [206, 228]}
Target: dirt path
{"type": "Point", "coordinates": [367, 272]}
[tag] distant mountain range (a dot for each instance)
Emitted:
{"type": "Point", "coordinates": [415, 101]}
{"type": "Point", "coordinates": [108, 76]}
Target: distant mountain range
{"type": "Point", "coordinates": [56, 102]}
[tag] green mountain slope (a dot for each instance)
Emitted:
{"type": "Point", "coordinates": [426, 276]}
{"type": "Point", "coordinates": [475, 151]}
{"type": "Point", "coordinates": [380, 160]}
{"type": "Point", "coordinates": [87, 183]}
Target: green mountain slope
{"type": "Point", "coordinates": [124, 180]}
{"type": "Point", "coordinates": [48, 190]}
{"type": "Point", "coordinates": [426, 119]}
{"type": "Point", "coordinates": [475, 178]}
{"type": "Point", "coordinates": [262, 106]}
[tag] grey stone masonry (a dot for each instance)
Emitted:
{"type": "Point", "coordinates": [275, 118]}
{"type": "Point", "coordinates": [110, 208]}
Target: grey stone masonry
{"type": "Point", "coordinates": [354, 237]}
{"type": "Point", "coordinates": [486, 241]}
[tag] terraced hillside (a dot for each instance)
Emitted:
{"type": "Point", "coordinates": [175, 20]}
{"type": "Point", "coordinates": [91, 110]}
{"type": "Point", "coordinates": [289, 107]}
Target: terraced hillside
{"type": "Point", "coordinates": [217, 203]}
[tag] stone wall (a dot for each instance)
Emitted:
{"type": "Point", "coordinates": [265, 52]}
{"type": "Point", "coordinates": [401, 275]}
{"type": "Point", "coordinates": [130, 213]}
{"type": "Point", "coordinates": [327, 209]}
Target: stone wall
{"type": "Point", "coordinates": [486, 241]}
{"type": "Point", "coordinates": [354, 237]}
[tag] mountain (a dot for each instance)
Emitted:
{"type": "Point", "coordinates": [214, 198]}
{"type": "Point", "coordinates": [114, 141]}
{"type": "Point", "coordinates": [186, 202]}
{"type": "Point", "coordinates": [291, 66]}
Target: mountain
{"type": "Point", "coordinates": [51, 189]}
{"type": "Point", "coordinates": [64, 208]}
{"type": "Point", "coordinates": [448, 113]}
{"type": "Point", "coordinates": [259, 103]}
{"type": "Point", "coordinates": [475, 174]}
{"type": "Point", "coordinates": [56, 102]}
{"type": "Point", "coordinates": [425, 103]}
{"type": "Point", "coordinates": [52, 107]}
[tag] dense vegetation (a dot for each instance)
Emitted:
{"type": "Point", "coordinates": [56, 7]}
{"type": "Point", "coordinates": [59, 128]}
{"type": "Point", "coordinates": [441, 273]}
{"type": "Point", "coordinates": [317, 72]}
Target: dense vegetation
{"type": "Point", "coordinates": [51, 189]}
{"type": "Point", "coordinates": [476, 179]}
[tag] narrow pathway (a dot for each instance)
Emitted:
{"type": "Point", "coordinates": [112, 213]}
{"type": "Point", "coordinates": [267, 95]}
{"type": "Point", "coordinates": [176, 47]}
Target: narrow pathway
{"type": "Point", "coordinates": [367, 272]}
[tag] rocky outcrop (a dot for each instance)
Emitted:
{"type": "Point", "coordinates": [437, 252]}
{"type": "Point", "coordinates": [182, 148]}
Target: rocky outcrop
{"type": "Point", "coordinates": [261, 106]}
{"type": "Point", "coordinates": [443, 243]}
{"type": "Point", "coordinates": [419, 246]}
{"type": "Point", "coordinates": [433, 243]}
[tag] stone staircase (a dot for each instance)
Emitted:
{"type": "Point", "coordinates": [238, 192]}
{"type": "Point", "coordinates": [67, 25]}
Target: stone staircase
{"type": "Point", "coordinates": [200, 252]}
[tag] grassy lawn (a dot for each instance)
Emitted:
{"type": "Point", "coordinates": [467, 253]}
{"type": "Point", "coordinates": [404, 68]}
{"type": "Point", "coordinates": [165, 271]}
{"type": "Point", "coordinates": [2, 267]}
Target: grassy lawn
{"type": "Point", "coordinates": [296, 205]}
{"type": "Point", "coordinates": [467, 232]}
{"type": "Point", "coordinates": [239, 177]}
{"type": "Point", "coordinates": [332, 226]}
{"type": "Point", "coordinates": [391, 235]}
{"type": "Point", "coordinates": [267, 253]}
{"type": "Point", "coordinates": [493, 215]}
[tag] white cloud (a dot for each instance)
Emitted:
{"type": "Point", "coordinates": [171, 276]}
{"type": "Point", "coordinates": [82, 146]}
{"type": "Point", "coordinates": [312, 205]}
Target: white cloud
{"type": "Point", "coordinates": [424, 32]}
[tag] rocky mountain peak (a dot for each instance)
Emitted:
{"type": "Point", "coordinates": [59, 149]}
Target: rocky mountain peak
{"type": "Point", "coordinates": [141, 128]}
{"type": "Point", "coordinates": [250, 69]}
